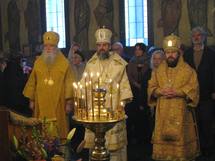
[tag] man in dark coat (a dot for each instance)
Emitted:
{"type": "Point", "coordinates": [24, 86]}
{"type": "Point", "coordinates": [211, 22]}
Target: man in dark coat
{"type": "Point", "coordinates": [15, 81]}
{"type": "Point", "coordinates": [138, 116]}
{"type": "Point", "coordinates": [3, 65]}
{"type": "Point", "coordinates": [202, 59]}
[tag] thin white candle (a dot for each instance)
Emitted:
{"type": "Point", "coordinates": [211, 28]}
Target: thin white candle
{"type": "Point", "coordinates": [91, 89]}
{"type": "Point", "coordinates": [111, 94]}
{"type": "Point", "coordinates": [118, 95]}
{"type": "Point", "coordinates": [75, 96]}
{"type": "Point", "coordinates": [85, 102]}
{"type": "Point", "coordinates": [86, 99]}
{"type": "Point", "coordinates": [98, 79]}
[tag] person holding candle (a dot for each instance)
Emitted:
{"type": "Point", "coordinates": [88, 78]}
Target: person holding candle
{"type": "Point", "coordinates": [107, 68]}
{"type": "Point", "coordinates": [49, 86]}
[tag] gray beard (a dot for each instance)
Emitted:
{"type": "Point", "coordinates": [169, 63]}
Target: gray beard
{"type": "Point", "coordinates": [103, 56]}
{"type": "Point", "coordinates": [49, 58]}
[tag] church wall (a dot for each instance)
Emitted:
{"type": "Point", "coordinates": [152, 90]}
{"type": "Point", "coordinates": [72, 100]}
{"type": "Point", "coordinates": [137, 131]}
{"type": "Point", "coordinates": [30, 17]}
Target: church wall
{"type": "Point", "coordinates": [111, 19]}
{"type": "Point", "coordinates": [21, 24]}
{"type": "Point", "coordinates": [206, 16]}
{"type": "Point", "coordinates": [112, 15]}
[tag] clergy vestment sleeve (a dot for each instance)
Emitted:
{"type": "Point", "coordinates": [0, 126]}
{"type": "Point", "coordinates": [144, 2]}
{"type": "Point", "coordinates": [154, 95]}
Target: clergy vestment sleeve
{"type": "Point", "coordinates": [191, 90]}
{"type": "Point", "coordinates": [153, 88]}
{"type": "Point", "coordinates": [30, 87]}
{"type": "Point", "coordinates": [69, 79]}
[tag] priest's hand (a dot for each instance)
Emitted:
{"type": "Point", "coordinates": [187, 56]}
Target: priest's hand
{"type": "Point", "coordinates": [169, 92]}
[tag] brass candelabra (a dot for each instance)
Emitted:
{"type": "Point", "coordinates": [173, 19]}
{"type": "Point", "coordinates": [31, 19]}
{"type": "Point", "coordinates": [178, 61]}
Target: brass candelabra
{"type": "Point", "coordinates": [92, 110]}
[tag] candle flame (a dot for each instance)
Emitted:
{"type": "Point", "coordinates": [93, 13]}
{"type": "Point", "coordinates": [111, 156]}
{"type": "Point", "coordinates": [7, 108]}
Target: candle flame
{"type": "Point", "coordinates": [75, 85]}
{"type": "Point", "coordinates": [117, 85]}
{"type": "Point", "coordinates": [91, 74]}
{"type": "Point", "coordinates": [104, 110]}
{"type": "Point", "coordinates": [121, 103]}
{"type": "Point", "coordinates": [97, 74]}
{"type": "Point", "coordinates": [85, 74]}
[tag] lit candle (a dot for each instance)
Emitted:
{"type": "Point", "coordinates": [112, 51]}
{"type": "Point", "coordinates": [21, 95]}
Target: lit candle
{"type": "Point", "coordinates": [111, 95]}
{"type": "Point", "coordinates": [120, 110]}
{"type": "Point", "coordinates": [81, 91]}
{"type": "Point", "coordinates": [118, 95]}
{"type": "Point", "coordinates": [75, 89]}
{"type": "Point", "coordinates": [91, 89]}
{"type": "Point", "coordinates": [99, 105]}
{"type": "Point", "coordinates": [75, 96]}
{"type": "Point", "coordinates": [76, 110]}
{"type": "Point", "coordinates": [98, 78]}
{"type": "Point", "coordinates": [91, 78]}
{"type": "Point", "coordinates": [82, 103]}
{"type": "Point", "coordinates": [86, 99]}
{"type": "Point", "coordinates": [80, 97]}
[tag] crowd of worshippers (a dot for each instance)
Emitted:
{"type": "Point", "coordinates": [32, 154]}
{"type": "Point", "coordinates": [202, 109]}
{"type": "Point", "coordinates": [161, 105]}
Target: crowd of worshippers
{"type": "Point", "coordinates": [172, 107]}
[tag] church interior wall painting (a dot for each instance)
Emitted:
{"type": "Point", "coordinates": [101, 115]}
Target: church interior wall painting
{"type": "Point", "coordinates": [20, 21]}
{"type": "Point", "coordinates": [185, 14]}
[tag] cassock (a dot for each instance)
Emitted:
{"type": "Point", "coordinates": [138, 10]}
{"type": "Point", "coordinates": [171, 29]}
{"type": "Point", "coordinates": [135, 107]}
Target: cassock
{"type": "Point", "coordinates": [50, 87]}
{"type": "Point", "coordinates": [175, 135]}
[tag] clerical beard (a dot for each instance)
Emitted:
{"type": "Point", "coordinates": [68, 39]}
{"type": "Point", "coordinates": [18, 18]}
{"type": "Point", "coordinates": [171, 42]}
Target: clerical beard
{"type": "Point", "coordinates": [49, 58]}
{"type": "Point", "coordinates": [103, 55]}
{"type": "Point", "coordinates": [172, 62]}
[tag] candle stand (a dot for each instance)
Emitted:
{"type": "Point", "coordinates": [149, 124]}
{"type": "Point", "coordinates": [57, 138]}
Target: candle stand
{"type": "Point", "coordinates": [98, 118]}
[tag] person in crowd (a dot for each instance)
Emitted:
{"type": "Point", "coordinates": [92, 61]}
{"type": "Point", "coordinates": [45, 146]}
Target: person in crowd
{"type": "Point", "coordinates": [78, 64]}
{"type": "Point", "coordinates": [157, 57]}
{"type": "Point", "coordinates": [111, 67]}
{"type": "Point", "coordinates": [202, 59]}
{"type": "Point", "coordinates": [118, 48]}
{"type": "Point", "coordinates": [173, 89]}
{"type": "Point", "coordinates": [25, 67]}
{"type": "Point", "coordinates": [74, 47]}
{"type": "Point", "coordinates": [15, 80]}
{"type": "Point", "coordinates": [49, 87]}
{"type": "Point", "coordinates": [136, 70]}
{"type": "Point", "coordinates": [3, 65]}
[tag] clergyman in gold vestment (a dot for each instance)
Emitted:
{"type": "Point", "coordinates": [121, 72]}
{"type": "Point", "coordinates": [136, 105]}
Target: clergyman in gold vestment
{"type": "Point", "coordinates": [173, 89]}
{"type": "Point", "coordinates": [49, 86]}
{"type": "Point", "coordinates": [111, 67]}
